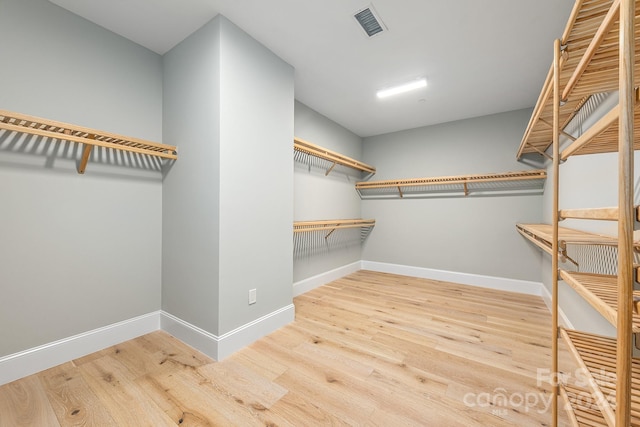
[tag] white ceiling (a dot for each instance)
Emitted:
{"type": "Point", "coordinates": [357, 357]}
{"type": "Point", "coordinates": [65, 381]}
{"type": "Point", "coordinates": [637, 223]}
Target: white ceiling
{"type": "Point", "coordinates": [480, 56]}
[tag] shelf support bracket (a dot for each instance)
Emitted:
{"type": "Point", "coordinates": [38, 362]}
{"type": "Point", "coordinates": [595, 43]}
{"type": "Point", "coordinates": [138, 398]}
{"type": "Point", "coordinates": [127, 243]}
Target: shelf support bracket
{"type": "Point", "coordinates": [86, 152]}
{"type": "Point", "coordinates": [466, 189]}
{"type": "Point", "coordinates": [330, 169]}
{"type": "Point", "coordinates": [571, 137]}
{"type": "Point", "coordinates": [331, 232]}
{"type": "Point", "coordinates": [562, 249]}
{"type": "Point", "coordinates": [542, 153]}
{"type": "Point", "coordinates": [400, 192]}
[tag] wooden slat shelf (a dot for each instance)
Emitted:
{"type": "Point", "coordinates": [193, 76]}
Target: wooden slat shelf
{"type": "Point", "coordinates": [602, 137]}
{"type": "Point", "coordinates": [589, 66]}
{"type": "Point", "coordinates": [596, 355]}
{"type": "Point", "coordinates": [538, 234]}
{"type": "Point", "coordinates": [21, 123]}
{"type": "Point", "coordinates": [601, 291]}
{"type": "Point", "coordinates": [604, 214]}
{"type": "Point", "coordinates": [581, 413]}
{"type": "Point", "coordinates": [541, 236]}
{"type": "Point", "coordinates": [522, 181]}
{"type": "Point", "coordinates": [333, 157]}
{"type": "Point", "coordinates": [331, 225]}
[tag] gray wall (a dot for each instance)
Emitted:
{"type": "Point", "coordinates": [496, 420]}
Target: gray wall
{"type": "Point", "coordinates": [318, 196]}
{"type": "Point", "coordinates": [228, 202]}
{"type": "Point", "coordinates": [77, 252]}
{"type": "Point", "coordinates": [256, 179]}
{"type": "Point", "coordinates": [474, 235]}
{"type": "Point", "coordinates": [191, 190]}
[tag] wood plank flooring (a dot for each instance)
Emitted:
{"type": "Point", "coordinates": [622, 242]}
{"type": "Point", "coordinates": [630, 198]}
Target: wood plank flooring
{"type": "Point", "coordinates": [369, 349]}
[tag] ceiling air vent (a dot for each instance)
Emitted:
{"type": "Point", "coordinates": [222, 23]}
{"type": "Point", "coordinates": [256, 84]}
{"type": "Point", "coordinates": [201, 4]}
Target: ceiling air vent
{"type": "Point", "coordinates": [369, 21]}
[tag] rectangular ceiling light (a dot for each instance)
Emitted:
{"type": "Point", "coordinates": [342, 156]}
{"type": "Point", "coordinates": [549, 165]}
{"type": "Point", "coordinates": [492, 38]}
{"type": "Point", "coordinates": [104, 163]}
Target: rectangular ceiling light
{"type": "Point", "coordinates": [369, 21]}
{"type": "Point", "coordinates": [406, 87]}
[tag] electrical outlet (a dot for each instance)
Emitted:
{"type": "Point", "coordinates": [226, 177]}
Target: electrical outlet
{"type": "Point", "coordinates": [252, 296]}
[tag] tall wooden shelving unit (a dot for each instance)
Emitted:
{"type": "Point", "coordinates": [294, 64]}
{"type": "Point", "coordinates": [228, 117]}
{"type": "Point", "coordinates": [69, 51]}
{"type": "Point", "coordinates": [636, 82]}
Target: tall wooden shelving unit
{"type": "Point", "coordinates": [596, 54]}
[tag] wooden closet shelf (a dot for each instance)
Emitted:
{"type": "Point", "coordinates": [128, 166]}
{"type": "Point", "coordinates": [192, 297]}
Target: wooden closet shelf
{"type": "Point", "coordinates": [542, 236]}
{"type": "Point", "coordinates": [602, 137]}
{"type": "Point", "coordinates": [331, 224]}
{"type": "Point", "coordinates": [532, 180]}
{"type": "Point", "coordinates": [335, 158]}
{"type": "Point", "coordinates": [601, 291]}
{"type": "Point", "coordinates": [589, 66]}
{"type": "Point", "coordinates": [604, 214]}
{"type": "Point", "coordinates": [596, 355]}
{"type": "Point", "coordinates": [581, 413]}
{"type": "Point", "coordinates": [21, 123]}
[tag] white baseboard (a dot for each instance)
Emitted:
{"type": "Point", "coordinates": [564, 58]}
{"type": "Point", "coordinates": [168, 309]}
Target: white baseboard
{"type": "Point", "coordinates": [189, 334]}
{"type": "Point", "coordinates": [562, 318]}
{"type": "Point", "coordinates": [219, 347]}
{"type": "Point", "coordinates": [28, 362]}
{"type": "Point", "coordinates": [499, 283]}
{"type": "Point", "coordinates": [313, 282]}
{"type": "Point", "coordinates": [491, 282]}
{"type": "Point", "coordinates": [34, 360]}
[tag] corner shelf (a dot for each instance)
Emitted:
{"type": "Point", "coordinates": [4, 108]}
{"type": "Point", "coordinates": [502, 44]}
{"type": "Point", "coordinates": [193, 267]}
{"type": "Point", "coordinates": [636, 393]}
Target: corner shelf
{"type": "Point", "coordinates": [523, 181]}
{"type": "Point", "coordinates": [21, 123]}
{"type": "Point", "coordinates": [333, 157]}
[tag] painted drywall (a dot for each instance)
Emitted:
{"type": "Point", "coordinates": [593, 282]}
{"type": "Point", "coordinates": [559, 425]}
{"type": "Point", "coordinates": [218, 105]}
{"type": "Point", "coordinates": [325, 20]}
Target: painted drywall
{"type": "Point", "coordinates": [256, 179]}
{"type": "Point", "coordinates": [77, 252]}
{"type": "Point", "coordinates": [228, 203]}
{"type": "Point", "coordinates": [319, 196]}
{"type": "Point", "coordinates": [473, 235]}
{"type": "Point", "coordinates": [191, 191]}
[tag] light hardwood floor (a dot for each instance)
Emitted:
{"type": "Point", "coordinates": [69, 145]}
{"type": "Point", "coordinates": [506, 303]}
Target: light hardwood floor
{"type": "Point", "coordinates": [368, 349]}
